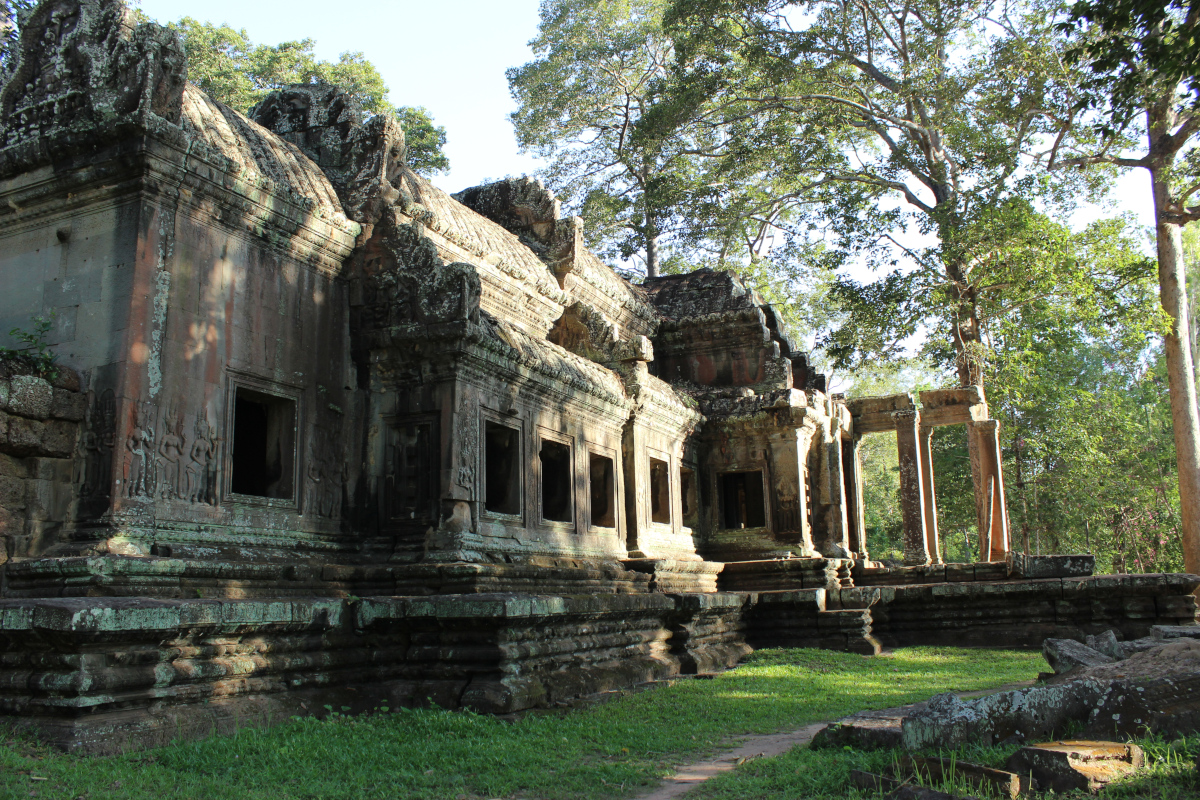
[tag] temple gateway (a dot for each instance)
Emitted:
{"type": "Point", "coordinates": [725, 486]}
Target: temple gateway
{"type": "Point", "coordinates": [322, 434]}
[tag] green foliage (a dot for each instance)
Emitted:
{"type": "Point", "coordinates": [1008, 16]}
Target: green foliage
{"type": "Point", "coordinates": [239, 73]}
{"type": "Point", "coordinates": [423, 141]}
{"type": "Point", "coordinates": [230, 68]}
{"type": "Point", "coordinates": [36, 355]}
{"type": "Point", "coordinates": [608, 751]}
{"type": "Point", "coordinates": [891, 125]}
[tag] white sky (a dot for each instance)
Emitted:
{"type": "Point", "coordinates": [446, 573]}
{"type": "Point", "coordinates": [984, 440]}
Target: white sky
{"type": "Point", "coordinates": [451, 59]}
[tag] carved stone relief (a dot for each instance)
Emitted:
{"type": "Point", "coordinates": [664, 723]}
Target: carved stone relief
{"type": "Point", "coordinates": [138, 473]}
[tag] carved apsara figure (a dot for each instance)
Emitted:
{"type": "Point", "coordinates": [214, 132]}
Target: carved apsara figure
{"type": "Point", "coordinates": [139, 475]}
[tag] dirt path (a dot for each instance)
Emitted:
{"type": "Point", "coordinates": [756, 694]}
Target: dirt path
{"type": "Point", "coordinates": [692, 775]}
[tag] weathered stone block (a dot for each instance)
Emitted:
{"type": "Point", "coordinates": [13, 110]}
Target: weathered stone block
{"type": "Point", "coordinates": [25, 436]}
{"type": "Point", "coordinates": [30, 396]}
{"type": "Point", "coordinates": [68, 405]}
{"type": "Point", "coordinates": [12, 493]}
{"type": "Point", "coordinates": [58, 438]}
{"type": "Point", "coordinates": [13, 467]}
{"type": "Point", "coordinates": [1076, 765]}
{"type": "Point", "coordinates": [1056, 566]}
{"type": "Point", "coordinates": [1066, 654]}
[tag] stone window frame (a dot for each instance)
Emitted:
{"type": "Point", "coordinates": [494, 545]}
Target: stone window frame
{"type": "Point", "coordinates": [655, 454]}
{"type": "Point", "coordinates": [719, 497]}
{"type": "Point", "coordinates": [612, 455]}
{"type": "Point", "coordinates": [541, 434]}
{"type": "Point", "coordinates": [515, 422]}
{"type": "Point", "coordinates": [234, 380]}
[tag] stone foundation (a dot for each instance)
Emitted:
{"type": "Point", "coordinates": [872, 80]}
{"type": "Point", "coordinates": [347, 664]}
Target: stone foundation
{"type": "Point", "coordinates": [1024, 613]}
{"type": "Point", "coordinates": [100, 676]}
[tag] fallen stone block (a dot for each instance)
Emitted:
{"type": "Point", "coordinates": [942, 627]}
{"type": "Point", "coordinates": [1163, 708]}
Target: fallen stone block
{"type": "Point", "coordinates": [1107, 644]}
{"type": "Point", "coordinates": [1022, 714]}
{"type": "Point", "coordinates": [1169, 632]}
{"type": "Point", "coordinates": [1067, 654]}
{"type": "Point", "coordinates": [1076, 765]}
{"type": "Point", "coordinates": [873, 782]}
{"type": "Point", "coordinates": [867, 730]}
{"type": "Point", "coordinates": [991, 781]}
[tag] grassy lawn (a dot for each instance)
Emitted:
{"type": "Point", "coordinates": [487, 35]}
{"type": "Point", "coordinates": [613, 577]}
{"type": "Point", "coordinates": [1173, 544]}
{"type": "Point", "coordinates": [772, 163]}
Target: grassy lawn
{"type": "Point", "coordinates": [804, 774]}
{"type": "Point", "coordinates": [613, 750]}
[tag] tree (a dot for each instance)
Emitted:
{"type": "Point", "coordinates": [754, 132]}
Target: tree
{"type": "Point", "coordinates": [233, 70]}
{"type": "Point", "coordinates": [655, 193]}
{"type": "Point", "coordinates": [9, 9]}
{"type": "Point", "coordinates": [1144, 83]}
{"type": "Point", "coordinates": [593, 79]}
{"type": "Point", "coordinates": [945, 99]}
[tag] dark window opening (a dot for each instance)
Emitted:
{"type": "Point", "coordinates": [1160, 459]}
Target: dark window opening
{"type": "Point", "coordinates": [502, 469]}
{"type": "Point", "coordinates": [264, 445]}
{"type": "Point", "coordinates": [742, 500]}
{"type": "Point", "coordinates": [660, 492]}
{"type": "Point", "coordinates": [687, 496]}
{"type": "Point", "coordinates": [602, 477]}
{"type": "Point", "coordinates": [556, 481]}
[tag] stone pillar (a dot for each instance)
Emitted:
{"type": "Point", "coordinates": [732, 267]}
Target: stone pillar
{"type": "Point", "coordinates": [856, 512]}
{"type": "Point", "coordinates": [831, 536]}
{"type": "Point", "coordinates": [993, 519]}
{"type": "Point", "coordinates": [789, 490]}
{"type": "Point", "coordinates": [912, 493]}
{"type": "Point", "coordinates": [932, 545]}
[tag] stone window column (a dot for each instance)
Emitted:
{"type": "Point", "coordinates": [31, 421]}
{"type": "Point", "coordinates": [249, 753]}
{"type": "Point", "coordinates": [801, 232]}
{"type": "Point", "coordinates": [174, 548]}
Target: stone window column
{"type": "Point", "coordinates": [912, 492]}
{"type": "Point", "coordinates": [993, 517]}
{"type": "Point", "coordinates": [932, 543]}
{"type": "Point", "coordinates": [789, 476]}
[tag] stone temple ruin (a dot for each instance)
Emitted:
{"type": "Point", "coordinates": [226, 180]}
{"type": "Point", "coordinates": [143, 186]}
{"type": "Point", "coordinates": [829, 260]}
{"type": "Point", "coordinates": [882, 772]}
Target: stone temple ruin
{"type": "Point", "coordinates": [323, 434]}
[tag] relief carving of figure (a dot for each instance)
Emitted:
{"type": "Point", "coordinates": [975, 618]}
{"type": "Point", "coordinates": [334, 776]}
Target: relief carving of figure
{"type": "Point", "coordinates": [97, 444]}
{"type": "Point", "coordinates": [170, 451]}
{"type": "Point", "coordinates": [202, 459]}
{"type": "Point", "coordinates": [139, 473]}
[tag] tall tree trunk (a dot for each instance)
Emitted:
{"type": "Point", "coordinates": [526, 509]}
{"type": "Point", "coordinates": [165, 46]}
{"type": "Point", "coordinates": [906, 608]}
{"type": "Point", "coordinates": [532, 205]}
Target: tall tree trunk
{"type": "Point", "coordinates": [651, 256]}
{"type": "Point", "coordinates": [1181, 375]}
{"type": "Point", "coordinates": [967, 340]}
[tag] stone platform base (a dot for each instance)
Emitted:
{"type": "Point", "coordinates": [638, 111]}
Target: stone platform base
{"type": "Point", "coordinates": [101, 675]}
{"type": "Point", "coordinates": [669, 575]}
{"type": "Point", "coordinates": [1024, 613]}
{"type": "Point", "coordinates": [785, 574]}
{"type": "Point", "coordinates": [180, 578]}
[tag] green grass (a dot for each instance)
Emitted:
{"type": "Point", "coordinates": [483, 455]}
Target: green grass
{"type": "Point", "coordinates": [803, 774]}
{"type": "Point", "coordinates": [617, 749]}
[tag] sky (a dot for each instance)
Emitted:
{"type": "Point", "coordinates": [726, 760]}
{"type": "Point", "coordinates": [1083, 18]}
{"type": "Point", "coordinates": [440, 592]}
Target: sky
{"type": "Point", "coordinates": [448, 58]}
{"type": "Point", "coordinates": [451, 60]}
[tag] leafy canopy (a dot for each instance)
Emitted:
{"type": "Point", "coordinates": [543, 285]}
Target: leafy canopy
{"type": "Point", "coordinates": [232, 69]}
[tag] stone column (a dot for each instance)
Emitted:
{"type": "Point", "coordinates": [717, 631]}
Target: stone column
{"type": "Point", "coordinates": [789, 476]}
{"type": "Point", "coordinates": [993, 520]}
{"type": "Point", "coordinates": [932, 544]}
{"type": "Point", "coordinates": [856, 513]}
{"type": "Point", "coordinates": [912, 493]}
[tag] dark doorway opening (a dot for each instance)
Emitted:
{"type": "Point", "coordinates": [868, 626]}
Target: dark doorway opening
{"type": "Point", "coordinates": [264, 445]}
{"type": "Point", "coordinates": [502, 469]}
{"type": "Point", "coordinates": [556, 481]}
{"type": "Point", "coordinates": [602, 490]}
{"type": "Point", "coordinates": [660, 492]}
{"type": "Point", "coordinates": [742, 500]}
